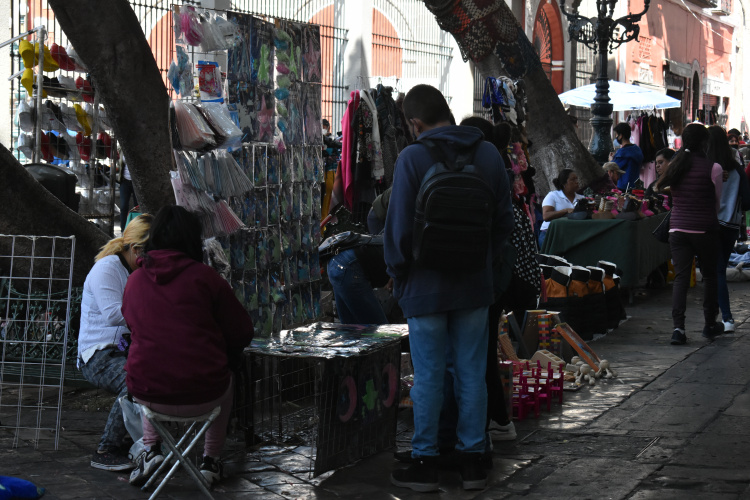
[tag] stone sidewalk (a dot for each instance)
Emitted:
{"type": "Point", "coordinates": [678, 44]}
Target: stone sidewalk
{"type": "Point", "coordinates": [675, 423]}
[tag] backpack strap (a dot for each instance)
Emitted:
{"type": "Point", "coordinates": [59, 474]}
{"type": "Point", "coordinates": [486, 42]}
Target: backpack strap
{"type": "Point", "coordinates": [464, 157]}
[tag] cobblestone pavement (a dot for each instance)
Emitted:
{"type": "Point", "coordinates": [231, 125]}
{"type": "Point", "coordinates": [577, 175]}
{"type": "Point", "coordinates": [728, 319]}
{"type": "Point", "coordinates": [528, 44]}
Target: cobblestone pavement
{"type": "Point", "coordinates": [675, 423]}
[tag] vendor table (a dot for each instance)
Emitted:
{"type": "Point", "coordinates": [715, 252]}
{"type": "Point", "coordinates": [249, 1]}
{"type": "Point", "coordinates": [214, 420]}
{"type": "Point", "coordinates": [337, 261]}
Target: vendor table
{"type": "Point", "coordinates": [331, 387]}
{"type": "Point", "coordinates": [628, 244]}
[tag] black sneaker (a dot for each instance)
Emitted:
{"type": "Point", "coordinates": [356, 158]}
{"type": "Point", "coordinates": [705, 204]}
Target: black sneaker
{"type": "Point", "coordinates": [710, 332]}
{"type": "Point", "coordinates": [146, 464]}
{"type": "Point", "coordinates": [678, 337]}
{"type": "Point", "coordinates": [473, 472]}
{"type": "Point", "coordinates": [421, 476]}
{"type": "Point", "coordinates": [111, 460]}
{"type": "Point", "coordinates": [212, 469]}
{"type": "Point", "coordinates": [447, 460]}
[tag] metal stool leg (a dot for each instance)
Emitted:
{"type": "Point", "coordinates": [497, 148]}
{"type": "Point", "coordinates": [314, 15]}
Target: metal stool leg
{"type": "Point", "coordinates": [176, 452]}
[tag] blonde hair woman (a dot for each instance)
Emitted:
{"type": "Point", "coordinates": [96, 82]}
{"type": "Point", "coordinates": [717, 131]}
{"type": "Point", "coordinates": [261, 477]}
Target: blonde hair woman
{"type": "Point", "coordinates": [101, 346]}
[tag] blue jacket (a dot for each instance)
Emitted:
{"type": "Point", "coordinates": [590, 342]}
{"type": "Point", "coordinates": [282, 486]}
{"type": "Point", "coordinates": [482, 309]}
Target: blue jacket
{"type": "Point", "coordinates": [629, 159]}
{"type": "Point", "coordinates": [422, 291]}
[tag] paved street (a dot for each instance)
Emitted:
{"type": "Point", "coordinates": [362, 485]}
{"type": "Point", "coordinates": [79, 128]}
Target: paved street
{"type": "Point", "coordinates": [674, 424]}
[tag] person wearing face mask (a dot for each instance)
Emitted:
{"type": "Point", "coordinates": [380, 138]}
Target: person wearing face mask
{"type": "Point", "coordinates": [629, 157]}
{"type": "Point", "coordinates": [326, 128]}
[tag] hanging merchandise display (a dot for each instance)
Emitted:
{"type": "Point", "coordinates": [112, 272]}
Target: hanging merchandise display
{"type": "Point", "coordinates": [61, 123]}
{"type": "Point", "coordinates": [249, 157]}
{"type": "Point", "coordinates": [373, 134]}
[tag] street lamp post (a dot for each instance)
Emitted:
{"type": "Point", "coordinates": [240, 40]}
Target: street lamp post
{"type": "Point", "coordinates": [602, 35]}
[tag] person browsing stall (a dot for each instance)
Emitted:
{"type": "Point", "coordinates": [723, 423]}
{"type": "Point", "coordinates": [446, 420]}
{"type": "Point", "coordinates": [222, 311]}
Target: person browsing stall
{"type": "Point", "coordinates": [446, 309]}
{"type": "Point", "coordinates": [628, 157]}
{"type": "Point", "coordinates": [103, 334]}
{"type": "Point", "coordinates": [561, 202]}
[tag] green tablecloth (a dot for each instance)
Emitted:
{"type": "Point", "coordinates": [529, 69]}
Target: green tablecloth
{"type": "Point", "coordinates": [629, 244]}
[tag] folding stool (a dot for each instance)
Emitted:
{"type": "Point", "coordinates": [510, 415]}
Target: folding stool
{"type": "Point", "coordinates": [179, 450]}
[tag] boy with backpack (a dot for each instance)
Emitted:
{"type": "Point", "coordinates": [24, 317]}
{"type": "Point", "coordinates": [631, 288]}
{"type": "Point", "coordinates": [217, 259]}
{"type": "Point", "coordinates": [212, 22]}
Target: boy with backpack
{"type": "Point", "coordinates": [449, 213]}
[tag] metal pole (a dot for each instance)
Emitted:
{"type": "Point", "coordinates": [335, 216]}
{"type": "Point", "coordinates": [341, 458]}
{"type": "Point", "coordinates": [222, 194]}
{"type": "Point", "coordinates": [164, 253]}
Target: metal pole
{"type": "Point", "coordinates": [39, 92]}
{"type": "Point", "coordinates": [601, 111]}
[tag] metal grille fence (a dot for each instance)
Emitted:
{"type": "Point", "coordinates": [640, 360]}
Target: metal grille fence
{"type": "Point", "coordinates": [409, 47]}
{"type": "Point", "coordinates": [35, 290]}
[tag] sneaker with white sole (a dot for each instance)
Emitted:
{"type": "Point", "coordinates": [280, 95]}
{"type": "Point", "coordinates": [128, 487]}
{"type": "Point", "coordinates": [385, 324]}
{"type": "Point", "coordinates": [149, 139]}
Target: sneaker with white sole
{"type": "Point", "coordinates": [111, 460]}
{"type": "Point", "coordinates": [728, 326]}
{"type": "Point", "coordinates": [212, 469]}
{"type": "Point", "coordinates": [146, 464]}
{"type": "Point", "coordinates": [505, 432]}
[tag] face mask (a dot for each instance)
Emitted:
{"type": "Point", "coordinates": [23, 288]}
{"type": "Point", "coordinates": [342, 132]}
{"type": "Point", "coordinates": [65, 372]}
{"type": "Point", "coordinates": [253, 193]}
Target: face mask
{"type": "Point", "coordinates": [616, 143]}
{"type": "Point", "coordinates": [325, 131]}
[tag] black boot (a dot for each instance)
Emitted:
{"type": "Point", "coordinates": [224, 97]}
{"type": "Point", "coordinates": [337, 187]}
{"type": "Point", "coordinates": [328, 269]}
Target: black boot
{"type": "Point", "coordinates": [473, 473]}
{"type": "Point", "coordinates": [421, 476]}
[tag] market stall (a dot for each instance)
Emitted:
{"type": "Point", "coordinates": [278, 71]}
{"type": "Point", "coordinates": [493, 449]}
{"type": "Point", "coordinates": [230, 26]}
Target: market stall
{"type": "Point", "coordinates": [629, 244]}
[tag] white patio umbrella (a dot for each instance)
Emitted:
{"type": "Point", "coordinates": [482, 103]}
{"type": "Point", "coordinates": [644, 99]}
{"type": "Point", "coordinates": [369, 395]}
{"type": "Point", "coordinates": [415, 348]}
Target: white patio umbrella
{"type": "Point", "coordinates": [622, 96]}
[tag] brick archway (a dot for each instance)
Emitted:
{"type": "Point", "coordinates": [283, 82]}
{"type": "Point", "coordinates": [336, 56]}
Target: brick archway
{"type": "Point", "coordinates": [548, 41]}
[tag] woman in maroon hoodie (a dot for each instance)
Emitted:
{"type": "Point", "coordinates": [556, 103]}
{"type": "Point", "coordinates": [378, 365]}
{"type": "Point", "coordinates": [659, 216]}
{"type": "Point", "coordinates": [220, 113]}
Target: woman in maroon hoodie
{"type": "Point", "coordinates": [186, 326]}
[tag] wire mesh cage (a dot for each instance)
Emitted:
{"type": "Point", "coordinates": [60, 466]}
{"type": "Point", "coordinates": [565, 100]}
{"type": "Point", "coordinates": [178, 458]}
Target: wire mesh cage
{"type": "Point", "coordinates": [324, 391]}
{"type": "Point", "coordinates": [35, 293]}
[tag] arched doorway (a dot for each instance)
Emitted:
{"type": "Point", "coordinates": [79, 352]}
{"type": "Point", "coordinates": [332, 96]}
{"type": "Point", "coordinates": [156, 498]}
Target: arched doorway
{"type": "Point", "coordinates": [548, 41]}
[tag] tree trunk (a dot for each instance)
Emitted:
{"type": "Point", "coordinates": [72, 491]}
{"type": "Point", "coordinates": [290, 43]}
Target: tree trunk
{"type": "Point", "coordinates": [29, 209]}
{"type": "Point", "coordinates": [110, 42]}
{"type": "Point", "coordinates": [489, 35]}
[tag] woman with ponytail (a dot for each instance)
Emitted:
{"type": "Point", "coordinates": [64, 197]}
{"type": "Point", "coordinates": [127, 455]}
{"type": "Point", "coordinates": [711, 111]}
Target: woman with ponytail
{"type": "Point", "coordinates": [101, 346]}
{"type": "Point", "coordinates": [696, 185]}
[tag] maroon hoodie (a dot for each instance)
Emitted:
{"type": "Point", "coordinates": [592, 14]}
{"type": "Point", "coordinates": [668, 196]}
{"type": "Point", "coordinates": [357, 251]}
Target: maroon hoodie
{"type": "Point", "coordinates": [184, 319]}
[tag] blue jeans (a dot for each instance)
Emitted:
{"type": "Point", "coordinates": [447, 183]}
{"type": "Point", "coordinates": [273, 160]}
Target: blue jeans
{"type": "Point", "coordinates": [355, 301]}
{"type": "Point", "coordinates": [457, 339]}
{"type": "Point", "coordinates": [107, 371]}
{"type": "Point", "coordinates": [727, 239]}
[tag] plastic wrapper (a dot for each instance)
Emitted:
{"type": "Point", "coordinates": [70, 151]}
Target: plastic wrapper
{"type": "Point", "coordinates": [214, 256]}
{"type": "Point", "coordinates": [261, 207]}
{"type": "Point", "coordinates": [193, 129]}
{"type": "Point", "coordinates": [311, 58]}
{"type": "Point", "coordinates": [262, 53]}
{"type": "Point", "coordinates": [311, 99]}
{"type": "Point", "coordinates": [213, 36]}
{"type": "Point", "coordinates": [217, 115]}
{"type": "Point", "coordinates": [272, 167]}
{"type": "Point", "coordinates": [239, 58]}
{"type": "Point", "coordinates": [190, 26]}
{"type": "Point", "coordinates": [259, 166]}
{"type": "Point", "coordinates": [209, 81]}
{"type": "Point", "coordinates": [274, 205]}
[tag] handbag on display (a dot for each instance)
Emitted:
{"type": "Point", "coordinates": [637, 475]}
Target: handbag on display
{"type": "Point", "coordinates": [661, 232]}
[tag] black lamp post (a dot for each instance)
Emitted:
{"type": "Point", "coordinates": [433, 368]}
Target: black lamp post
{"type": "Point", "coordinates": [602, 34]}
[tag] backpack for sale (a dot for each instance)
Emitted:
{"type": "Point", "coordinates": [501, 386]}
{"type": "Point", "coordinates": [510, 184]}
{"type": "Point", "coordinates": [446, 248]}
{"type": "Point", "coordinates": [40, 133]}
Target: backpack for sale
{"type": "Point", "coordinates": [453, 217]}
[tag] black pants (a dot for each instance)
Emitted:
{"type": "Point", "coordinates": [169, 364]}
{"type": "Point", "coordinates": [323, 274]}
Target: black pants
{"type": "Point", "coordinates": [126, 191]}
{"type": "Point", "coordinates": [684, 247]}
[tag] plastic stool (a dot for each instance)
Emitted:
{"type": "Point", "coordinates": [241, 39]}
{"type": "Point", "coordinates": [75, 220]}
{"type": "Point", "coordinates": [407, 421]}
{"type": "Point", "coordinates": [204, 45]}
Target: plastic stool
{"type": "Point", "coordinates": [178, 450]}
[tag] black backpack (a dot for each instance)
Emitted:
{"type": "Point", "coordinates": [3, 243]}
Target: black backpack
{"type": "Point", "coordinates": [453, 217]}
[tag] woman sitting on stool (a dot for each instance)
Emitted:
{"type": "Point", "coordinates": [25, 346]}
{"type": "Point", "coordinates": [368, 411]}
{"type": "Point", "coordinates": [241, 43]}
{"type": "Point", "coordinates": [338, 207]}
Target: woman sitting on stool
{"type": "Point", "coordinates": [187, 327]}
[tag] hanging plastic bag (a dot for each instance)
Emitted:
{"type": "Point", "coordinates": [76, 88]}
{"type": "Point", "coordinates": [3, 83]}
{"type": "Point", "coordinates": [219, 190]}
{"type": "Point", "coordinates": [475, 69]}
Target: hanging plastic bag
{"type": "Point", "coordinates": [217, 115]}
{"type": "Point", "coordinates": [192, 127]}
{"type": "Point", "coordinates": [190, 24]}
{"type": "Point", "coordinates": [213, 38]}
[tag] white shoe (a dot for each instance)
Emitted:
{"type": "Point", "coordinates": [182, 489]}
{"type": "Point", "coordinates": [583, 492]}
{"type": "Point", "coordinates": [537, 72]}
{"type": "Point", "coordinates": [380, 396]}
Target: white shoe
{"type": "Point", "coordinates": [505, 432]}
{"type": "Point", "coordinates": [728, 326]}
